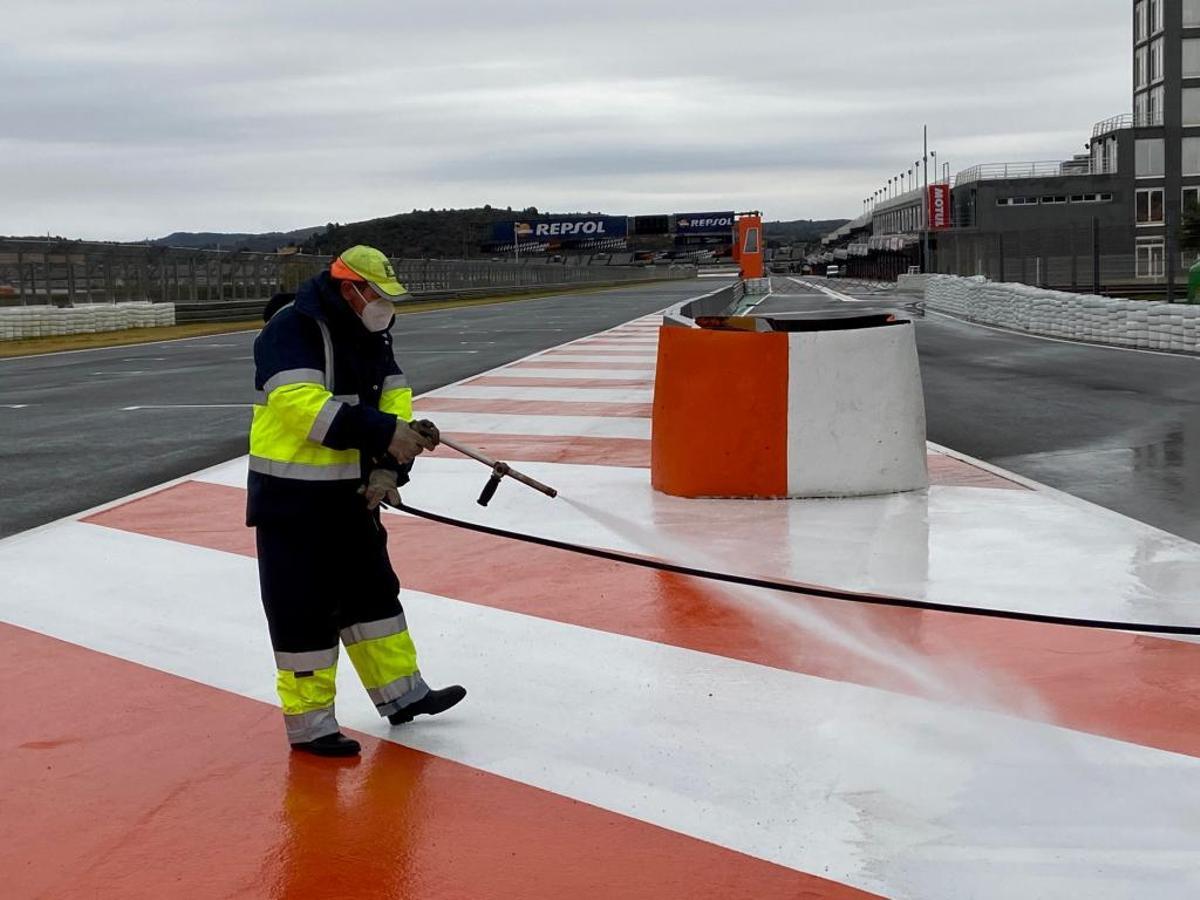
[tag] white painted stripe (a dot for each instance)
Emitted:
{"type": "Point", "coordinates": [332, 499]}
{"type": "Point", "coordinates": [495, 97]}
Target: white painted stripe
{"type": "Point", "coordinates": [579, 395]}
{"type": "Point", "coordinates": [828, 292]}
{"type": "Point", "coordinates": [594, 374]}
{"type": "Point", "coordinates": [884, 792]}
{"type": "Point", "coordinates": [568, 426]}
{"type": "Point", "coordinates": [938, 545]}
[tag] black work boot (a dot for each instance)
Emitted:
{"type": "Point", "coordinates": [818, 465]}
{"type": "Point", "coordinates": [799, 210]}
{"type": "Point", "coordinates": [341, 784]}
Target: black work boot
{"type": "Point", "coordinates": [330, 745]}
{"type": "Point", "coordinates": [430, 705]}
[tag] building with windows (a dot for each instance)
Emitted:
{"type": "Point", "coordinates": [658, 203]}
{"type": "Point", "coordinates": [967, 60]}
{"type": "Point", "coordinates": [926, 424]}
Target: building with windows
{"type": "Point", "coordinates": [1108, 218]}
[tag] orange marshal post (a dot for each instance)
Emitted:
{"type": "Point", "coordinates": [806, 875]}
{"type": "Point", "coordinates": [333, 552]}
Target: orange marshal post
{"type": "Point", "coordinates": [749, 247]}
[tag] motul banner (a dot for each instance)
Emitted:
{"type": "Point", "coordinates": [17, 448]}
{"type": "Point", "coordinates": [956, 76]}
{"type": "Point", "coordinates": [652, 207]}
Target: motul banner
{"type": "Point", "coordinates": [938, 213]}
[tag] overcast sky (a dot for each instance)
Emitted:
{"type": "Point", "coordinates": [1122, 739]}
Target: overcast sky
{"type": "Point", "coordinates": [123, 119]}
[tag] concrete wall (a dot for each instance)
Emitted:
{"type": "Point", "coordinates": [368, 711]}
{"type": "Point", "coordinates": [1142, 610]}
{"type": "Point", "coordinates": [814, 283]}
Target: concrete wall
{"type": "Point", "coordinates": [46, 321]}
{"type": "Point", "coordinates": [1081, 317]}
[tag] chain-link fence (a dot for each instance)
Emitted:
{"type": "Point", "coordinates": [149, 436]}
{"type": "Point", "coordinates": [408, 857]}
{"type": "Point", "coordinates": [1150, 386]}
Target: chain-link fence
{"type": "Point", "coordinates": [68, 273]}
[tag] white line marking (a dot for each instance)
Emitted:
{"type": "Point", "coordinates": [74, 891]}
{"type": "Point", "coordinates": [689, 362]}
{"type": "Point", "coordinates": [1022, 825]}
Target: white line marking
{"type": "Point", "coordinates": [13, 405]}
{"type": "Point", "coordinates": [125, 347]}
{"type": "Point", "coordinates": [828, 292]}
{"type": "Point", "coordinates": [189, 406]}
{"type": "Point", "coordinates": [131, 372]}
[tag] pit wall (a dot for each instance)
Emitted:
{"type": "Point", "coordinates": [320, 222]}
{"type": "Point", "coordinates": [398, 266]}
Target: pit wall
{"type": "Point", "coordinates": [1078, 317]}
{"type": "Point", "coordinates": [18, 322]}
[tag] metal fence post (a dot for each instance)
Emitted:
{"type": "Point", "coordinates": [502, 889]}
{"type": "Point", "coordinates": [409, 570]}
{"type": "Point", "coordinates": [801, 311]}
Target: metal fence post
{"type": "Point", "coordinates": [1095, 254]}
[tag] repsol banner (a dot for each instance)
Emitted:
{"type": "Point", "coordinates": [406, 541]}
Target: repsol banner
{"type": "Point", "coordinates": [704, 223]}
{"type": "Point", "coordinates": [562, 228]}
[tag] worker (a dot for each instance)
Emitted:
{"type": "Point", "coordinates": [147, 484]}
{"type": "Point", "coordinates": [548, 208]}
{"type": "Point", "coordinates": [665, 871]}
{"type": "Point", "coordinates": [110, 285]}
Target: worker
{"type": "Point", "coordinates": [331, 441]}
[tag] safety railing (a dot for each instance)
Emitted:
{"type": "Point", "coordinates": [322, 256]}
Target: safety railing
{"type": "Point", "coordinates": [1050, 169]}
{"type": "Point", "coordinates": [1114, 123]}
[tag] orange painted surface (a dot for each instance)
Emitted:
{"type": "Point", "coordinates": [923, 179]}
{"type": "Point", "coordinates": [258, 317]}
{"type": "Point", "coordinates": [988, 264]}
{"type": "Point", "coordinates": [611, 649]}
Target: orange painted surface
{"type": "Point", "coordinates": [751, 244]}
{"type": "Point", "coordinates": [720, 414]}
{"type": "Point", "coordinates": [533, 407]}
{"type": "Point", "coordinates": [624, 452]}
{"type": "Point", "coordinates": [571, 364]}
{"type": "Point", "coordinates": [514, 381]}
{"type": "Point", "coordinates": [195, 795]}
{"type": "Point", "coordinates": [1140, 689]}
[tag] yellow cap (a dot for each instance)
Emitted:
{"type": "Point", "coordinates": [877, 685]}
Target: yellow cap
{"type": "Point", "coordinates": [369, 265]}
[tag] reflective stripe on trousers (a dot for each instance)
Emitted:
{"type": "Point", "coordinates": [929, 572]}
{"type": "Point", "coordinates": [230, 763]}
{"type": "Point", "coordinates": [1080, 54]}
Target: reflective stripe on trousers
{"type": "Point", "coordinates": [306, 693]}
{"type": "Point", "coordinates": [386, 661]}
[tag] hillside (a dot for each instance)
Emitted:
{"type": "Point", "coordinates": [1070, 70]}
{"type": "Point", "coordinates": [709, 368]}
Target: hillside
{"type": "Point", "coordinates": [802, 230]}
{"type": "Point", "coordinates": [434, 233]}
{"type": "Point", "coordinates": [266, 242]}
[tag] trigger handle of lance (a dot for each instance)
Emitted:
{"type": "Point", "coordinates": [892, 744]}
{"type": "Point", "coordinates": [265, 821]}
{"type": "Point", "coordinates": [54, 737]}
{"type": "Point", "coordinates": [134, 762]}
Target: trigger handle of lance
{"type": "Point", "coordinates": [499, 471]}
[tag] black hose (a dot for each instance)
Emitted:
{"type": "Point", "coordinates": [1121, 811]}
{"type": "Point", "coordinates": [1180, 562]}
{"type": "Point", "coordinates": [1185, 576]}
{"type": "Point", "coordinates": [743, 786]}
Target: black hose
{"type": "Point", "coordinates": [805, 590]}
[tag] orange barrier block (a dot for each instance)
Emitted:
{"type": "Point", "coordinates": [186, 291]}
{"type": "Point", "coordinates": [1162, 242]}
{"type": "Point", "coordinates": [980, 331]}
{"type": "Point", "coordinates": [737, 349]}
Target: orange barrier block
{"type": "Point", "coordinates": [720, 414]}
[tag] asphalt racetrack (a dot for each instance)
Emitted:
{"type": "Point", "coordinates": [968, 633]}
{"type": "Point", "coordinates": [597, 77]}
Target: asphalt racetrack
{"type": "Point", "coordinates": [1118, 428]}
{"type": "Point", "coordinates": [69, 441]}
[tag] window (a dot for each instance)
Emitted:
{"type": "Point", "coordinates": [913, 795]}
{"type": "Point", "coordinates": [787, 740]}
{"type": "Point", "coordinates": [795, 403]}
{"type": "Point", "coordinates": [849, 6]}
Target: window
{"type": "Point", "coordinates": [1149, 158]}
{"type": "Point", "coordinates": [1151, 257]}
{"type": "Point", "coordinates": [1140, 102]}
{"type": "Point", "coordinates": [1141, 68]}
{"type": "Point", "coordinates": [1053, 201]}
{"type": "Point", "coordinates": [1156, 16]}
{"type": "Point", "coordinates": [1141, 24]}
{"type": "Point", "coordinates": [1191, 106]}
{"type": "Point", "coordinates": [1191, 13]}
{"type": "Point", "coordinates": [1191, 156]}
{"type": "Point", "coordinates": [1191, 200]}
{"type": "Point", "coordinates": [1150, 207]}
{"type": "Point", "coordinates": [1156, 61]}
{"type": "Point", "coordinates": [1191, 58]}
{"type": "Point", "coordinates": [1091, 198]}
{"type": "Point", "coordinates": [1154, 106]}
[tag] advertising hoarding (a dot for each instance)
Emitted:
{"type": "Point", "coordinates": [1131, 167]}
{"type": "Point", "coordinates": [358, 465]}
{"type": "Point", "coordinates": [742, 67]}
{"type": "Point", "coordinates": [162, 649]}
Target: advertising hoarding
{"type": "Point", "coordinates": [938, 213]}
{"type": "Point", "coordinates": [562, 228]}
{"type": "Point", "coordinates": [704, 223]}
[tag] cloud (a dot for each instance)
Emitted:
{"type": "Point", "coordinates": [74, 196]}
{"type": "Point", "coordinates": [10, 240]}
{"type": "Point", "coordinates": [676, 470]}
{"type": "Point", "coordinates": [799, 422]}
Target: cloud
{"type": "Point", "coordinates": [124, 119]}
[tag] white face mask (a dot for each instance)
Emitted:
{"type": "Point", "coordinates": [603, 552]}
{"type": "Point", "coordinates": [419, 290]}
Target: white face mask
{"type": "Point", "coordinates": [376, 314]}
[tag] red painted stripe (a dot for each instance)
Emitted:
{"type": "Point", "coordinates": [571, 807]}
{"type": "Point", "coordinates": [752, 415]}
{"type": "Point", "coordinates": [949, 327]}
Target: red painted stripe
{"type": "Point", "coordinates": [514, 381]}
{"type": "Point", "coordinates": [631, 453]}
{"type": "Point", "coordinates": [950, 472]}
{"type": "Point", "coordinates": [534, 407]}
{"type": "Point", "coordinates": [649, 353]}
{"type": "Point", "coordinates": [647, 366]}
{"type": "Point", "coordinates": [195, 794]}
{"type": "Point", "coordinates": [1134, 688]}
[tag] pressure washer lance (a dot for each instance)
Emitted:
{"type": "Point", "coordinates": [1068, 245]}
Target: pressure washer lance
{"type": "Point", "coordinates": [499, 471]}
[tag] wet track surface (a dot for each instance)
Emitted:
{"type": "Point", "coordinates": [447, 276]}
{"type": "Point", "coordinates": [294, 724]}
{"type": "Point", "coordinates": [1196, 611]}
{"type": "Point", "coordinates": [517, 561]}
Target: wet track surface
{"type": "Point", "coordinates": [70, 440]}
{"type": "Point", "coordinates": [1116, 427]}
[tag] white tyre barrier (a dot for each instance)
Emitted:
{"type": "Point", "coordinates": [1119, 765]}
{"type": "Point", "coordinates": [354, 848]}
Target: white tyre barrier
{"type": "Point", "coordinates": [1103, 320]}
{"type": "Point", "coordinates": [17, 322]}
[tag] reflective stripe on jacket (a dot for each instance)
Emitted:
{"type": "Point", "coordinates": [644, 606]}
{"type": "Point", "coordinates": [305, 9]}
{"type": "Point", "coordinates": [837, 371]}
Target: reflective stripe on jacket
{"type": "Point", "coordinates": [328, 396]}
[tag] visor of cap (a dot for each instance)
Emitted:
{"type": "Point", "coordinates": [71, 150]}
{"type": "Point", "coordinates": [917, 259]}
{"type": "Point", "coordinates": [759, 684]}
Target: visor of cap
{"type": "Point", "coordinates": [388, 288]}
